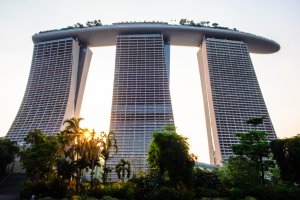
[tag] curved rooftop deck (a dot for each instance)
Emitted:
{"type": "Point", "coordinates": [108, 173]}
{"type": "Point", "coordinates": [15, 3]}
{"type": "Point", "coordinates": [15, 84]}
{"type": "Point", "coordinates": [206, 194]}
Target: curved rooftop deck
{"type": "Point", "coordinates": [177, 35]}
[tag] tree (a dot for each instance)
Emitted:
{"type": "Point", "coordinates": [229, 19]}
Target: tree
{"type": "Point", "coordinates": [92, 154]}
{"type": "Point", "coordinates": [8, 151]}
{"type": "Point", "coordinates": [205, 178]}
{"type": "Point", "coordinates": [122, 167]}
{"type": "Point", "coordinates": [108, 142]}
{"type": "Point", "coordinates": [73, 147]}
{"type": "Point", "coordinates": [40, 155]}
{"type": "Point", "coordinates": [239, 172]}
{"type": "Point", "coordinates": [286, 152]}
{"type": "Point", "coordinates": [254, 146]}
{"type": "Point", "coordinates": [183, 22]}
{"type": "Point", "coordinates": [215, 25]}
{"type": "Point", "coordinates": [169, 154]}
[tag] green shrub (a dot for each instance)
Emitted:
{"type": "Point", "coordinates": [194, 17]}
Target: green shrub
{"type": "Point", "coordinates": [58, 188]}
{"type": "Point", "coordinates": [47, 198]}
{"type": "Point", "coordinates": [97, 192]}
{"type": "Point", "coordinates": [39, 189]}
{"type": "Point", "coordinates": [249, 198]}
{"type": "Point", "coordinates": [236, 193]}
{"type": "Point", "coordinates": [167, 193]}
{"type": "Point", "coordinates": [146, 184]}
{"type": "Point", "coordinates": [108, 198]}
{"type": "Point", "coordinates": [206, 192]}
{"type": "Point", "coordinates": [122, 190]}
{"type": "Point", "coordinates": [206, 179]}
{"type": "Point", "coordinates": [276, 192]}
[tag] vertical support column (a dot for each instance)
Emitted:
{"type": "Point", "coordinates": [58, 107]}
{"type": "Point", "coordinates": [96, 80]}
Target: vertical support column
{"type": "Point", "coordinates": [141, 97]}
{"type": "Point", "coordinates": [231, 95]}
{"type": "Point", "coordinates": [54, 89]}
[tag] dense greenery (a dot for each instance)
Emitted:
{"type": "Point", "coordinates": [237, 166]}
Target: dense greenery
{"type": "Point", "coordinates": [169, 155]}
{"type": "Point", "coordinates": [55, 166]}
{"type": "Point", "coordinates": [8, 151]}
{"type": "Point", "coordinates": [123, 169]}
{"type": "Point", "coordinates": [183, 22]}
{"type": "Point", "coordinates": [255, 147]}
{"type": "Point", "coordinates": [287, 155]}
{"type": "Point", "coordinates": [40, 155]}
{"type": "Point", "coordinates": [186, 22]}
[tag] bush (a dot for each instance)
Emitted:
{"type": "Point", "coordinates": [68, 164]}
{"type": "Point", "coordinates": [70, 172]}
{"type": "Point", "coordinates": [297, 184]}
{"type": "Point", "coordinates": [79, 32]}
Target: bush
{"type": "Point", "coordinates": [58, 188]}
{"type": "Point", "coordinates": [236, 193]}
{"type": "Point", "coordinates": [276, 192]}
{"type": "Point", "coordinates": [145, 184]}
{"type": "Point", "coordinates": [206, 192]}
{"type": "Point", "coordinates": [122, 190]}
{"type": "Point", "coordinates": [167, 193]}
{"type": "Point", "coordinates": [39, 189]}
{"type": "Point", "coordinates": [108, 198]}
{"type": "Point", "coordinates": [206, 179]}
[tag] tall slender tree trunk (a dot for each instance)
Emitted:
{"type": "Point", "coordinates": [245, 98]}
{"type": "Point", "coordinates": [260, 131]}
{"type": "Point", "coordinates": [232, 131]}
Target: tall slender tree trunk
{"type": "Point", "coordinates": [262, 171]}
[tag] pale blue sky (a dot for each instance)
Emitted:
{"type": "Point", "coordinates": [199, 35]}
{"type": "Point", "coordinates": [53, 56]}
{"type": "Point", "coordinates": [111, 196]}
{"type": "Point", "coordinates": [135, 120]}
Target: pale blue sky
{"type": "Point", "coordinates": [278, 74]}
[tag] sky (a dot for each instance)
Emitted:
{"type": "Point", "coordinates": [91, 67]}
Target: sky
{"type": "Point", "coordinates": [278, 74]}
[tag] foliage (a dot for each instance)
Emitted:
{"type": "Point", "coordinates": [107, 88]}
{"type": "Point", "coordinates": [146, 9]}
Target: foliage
{"type": "Point", "coordinates": [239, 172]}
{"type": "Point", "coordinates": [38, 188]}
{"type": "Point", "coordinates": [275, 192]}
{"type": "Point", "coordinates": [206, 179]}
{"type": "Point", "coordinates": [286, 152]}
{"type": "Point", "coordinates": [57, 187]}
{"type": "Point", "coordinates": [74, 148]}
{"type": "Point", "coordinates": [92, 23]}
{"type": "Point", "coordinates": [108, 142]}
{"type": "Point", "coordinates": [39, 157]}
{"type": "Point", "coordinates": [108, 198]}
{"type": "Point", "coordinates": [121, 190]}
{"type": "Point", "coordinates": [84, 149]}
{"type": "Point", "coordinates": [8, 151]}
{"type": "Point", "coordinates": [122, 167]}
{"type": "Point", "coordinates": [54, 187]}
{"type": "Point", "coordinates": [146, 184]}
{"type": "Point", "coordinates": [170, 193]}
{"type": "Point", "coordinates": [201, 192]}
{"type": "Point", "coordinates": [254, 146]}
{"type": "Point", "coordinates": [64, 168]}
{"type": "Point", "coordinates": [169, 154]}
{"type": "Point", "coordinates": [186, 22]}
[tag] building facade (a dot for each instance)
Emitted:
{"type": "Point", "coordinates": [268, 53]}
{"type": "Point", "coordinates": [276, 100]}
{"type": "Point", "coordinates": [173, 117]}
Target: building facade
{"type": "Point", "coordinates": [141, 101]}
{"type": "Point", "coordinates": [55, 88]}
{"type": "Point", "coordinates": [141, 97]}
{"type": "Point", "coordinates": [231, 95]}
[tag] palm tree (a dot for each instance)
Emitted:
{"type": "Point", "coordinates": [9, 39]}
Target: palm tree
{"type": "Point", "coordinates": [121, 167]}
{"type": "Point", "coordinates": [108, 141]}
{"type": "Point", "coordinates": [93, 152]}
{"type": "Point", "coordinates": [72, 147]}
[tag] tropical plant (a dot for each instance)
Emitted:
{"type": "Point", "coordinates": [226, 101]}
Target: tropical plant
{"type": "Point", "coordinates": [8, 151]}
{"type": "Point", "coordinates": [123, 169]}
{"type": "Point", "coordinates": [108, 142]}
{"type": "Point", "coordinates": [239, 172]}
{"type": "Point", "coordinates": [286, 152]}
{"type": "Point", "coordinates": [73, 147]}
{"type": "Point", "coordinates": [255, 146]}
{"type": "Point", "coordinates": [169, 154]}
{"type": "Point", "coordinates": [39, 157]}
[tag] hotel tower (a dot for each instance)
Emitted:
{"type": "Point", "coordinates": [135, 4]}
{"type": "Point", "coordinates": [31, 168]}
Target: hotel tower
{"type": "Point", "coordinates": [141, 102]}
